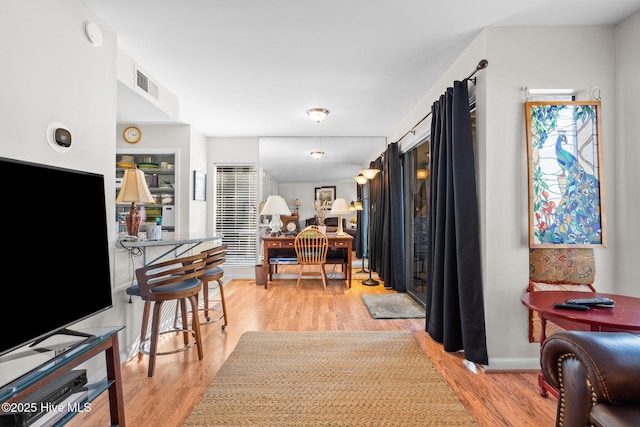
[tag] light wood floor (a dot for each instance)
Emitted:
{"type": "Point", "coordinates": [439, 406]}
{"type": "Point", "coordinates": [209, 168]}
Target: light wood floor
{"type": "Point", "coordinates": [493, 399]}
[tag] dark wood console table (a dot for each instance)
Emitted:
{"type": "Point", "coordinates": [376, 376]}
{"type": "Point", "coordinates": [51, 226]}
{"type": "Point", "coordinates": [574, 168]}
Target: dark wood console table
{"type": "Point", "coordinates": [624, 316]}
{"type": "Point", "coordinates": [342, 246]}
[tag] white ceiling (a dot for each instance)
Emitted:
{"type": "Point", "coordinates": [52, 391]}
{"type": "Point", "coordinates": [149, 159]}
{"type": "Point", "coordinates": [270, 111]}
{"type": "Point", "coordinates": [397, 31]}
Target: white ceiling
{"type": "Point", "coordinates": [253, 67]}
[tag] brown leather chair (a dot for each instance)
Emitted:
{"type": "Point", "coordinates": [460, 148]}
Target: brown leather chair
{"type": "Point", "coordinates": [597, 375]}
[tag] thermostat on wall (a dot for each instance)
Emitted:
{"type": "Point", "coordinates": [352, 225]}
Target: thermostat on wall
{"type": "Point", "coordinates": [58, 137]}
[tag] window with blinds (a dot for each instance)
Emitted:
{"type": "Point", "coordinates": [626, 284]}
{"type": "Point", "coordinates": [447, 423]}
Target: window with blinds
{"type": "Point", "coordinates": [235, 213]}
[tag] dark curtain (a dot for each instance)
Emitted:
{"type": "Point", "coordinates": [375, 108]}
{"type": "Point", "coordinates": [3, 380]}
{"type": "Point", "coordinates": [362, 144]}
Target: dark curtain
{"type": "Point", "coordinates": [455, 307]}
{"type": "Point", "coordinates": [387, 246]}
{"type": "Point", "coordinates": [360, 227]}
{"type": "Point", "coordinates": [374, 207]}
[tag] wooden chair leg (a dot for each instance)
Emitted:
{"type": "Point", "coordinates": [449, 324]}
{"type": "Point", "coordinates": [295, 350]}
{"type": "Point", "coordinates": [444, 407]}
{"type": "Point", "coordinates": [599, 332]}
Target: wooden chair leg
{"type": "Point", "coordinates": [205, 295]}
{"type": "Point", "coordinates": [185, 320]}
{"type": "Point", "coordinates": [143, 329]}
{"type": "Point", "coordinates": [195, 325]}
{"type": "Point", "coordinates": [222, 303]}
{"type": "Point", "coordinates": [155, 331]}
{"type": "Point", "coordinates": [299, 274]}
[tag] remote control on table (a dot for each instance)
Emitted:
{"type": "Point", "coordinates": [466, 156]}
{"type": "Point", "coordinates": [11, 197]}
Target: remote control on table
{"type": "Point", "coordinates": [579, 307]}
{"type": "Point", "coordinates": [601, 302]}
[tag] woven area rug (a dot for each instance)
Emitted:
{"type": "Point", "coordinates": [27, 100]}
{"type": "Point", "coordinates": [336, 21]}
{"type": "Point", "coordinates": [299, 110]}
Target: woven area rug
{"type": "Point", "coordinates": [392, 306]}
{"type": "Point", "coordinates": [338, 378]}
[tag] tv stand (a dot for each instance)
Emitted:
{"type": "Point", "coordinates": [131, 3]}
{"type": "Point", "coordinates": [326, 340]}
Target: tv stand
{"type": "Point", "coordinates": [63, 331]}
{"type": "Point", "coordinates": [101, 340]}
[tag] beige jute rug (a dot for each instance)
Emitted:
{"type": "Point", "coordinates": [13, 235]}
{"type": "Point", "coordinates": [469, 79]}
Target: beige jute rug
{"type": "Point", "coordinates": [339, 378]}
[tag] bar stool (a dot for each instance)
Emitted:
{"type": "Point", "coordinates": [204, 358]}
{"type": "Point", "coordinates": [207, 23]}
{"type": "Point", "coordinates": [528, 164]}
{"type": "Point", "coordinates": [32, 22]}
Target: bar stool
{"type": "Point", "coordinates": [173, 280]}
{"type": "Point", "coordinates": [213, 272]}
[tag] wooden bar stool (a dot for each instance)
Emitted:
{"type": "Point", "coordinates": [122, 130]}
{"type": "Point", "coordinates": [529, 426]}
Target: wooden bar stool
{"type": "Point", "coordinates": [213, 272]}
{"type": "Point", "coordinates": [173, 280]}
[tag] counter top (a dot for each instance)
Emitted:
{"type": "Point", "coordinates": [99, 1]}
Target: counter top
{"type": "Point", "coordinates": [169, 239]}
{"type": "Point", "coordinates": [174, 244]}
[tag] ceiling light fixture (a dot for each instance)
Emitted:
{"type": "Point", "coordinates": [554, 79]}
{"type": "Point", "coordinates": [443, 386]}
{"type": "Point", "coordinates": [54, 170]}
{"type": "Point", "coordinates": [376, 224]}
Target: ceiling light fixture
{"type": "Point", "coordinates": [317, 154]}
{"type": "Point", "coordinates": [318, 114]}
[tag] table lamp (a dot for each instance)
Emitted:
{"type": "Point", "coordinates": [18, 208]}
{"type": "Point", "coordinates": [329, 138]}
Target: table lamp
{"type": "Point", "coordinates": [275, 206]}
{"type": "Point", "coordinates": [134, 189]}
{"type": "Point", "coordinates": [339, 207]}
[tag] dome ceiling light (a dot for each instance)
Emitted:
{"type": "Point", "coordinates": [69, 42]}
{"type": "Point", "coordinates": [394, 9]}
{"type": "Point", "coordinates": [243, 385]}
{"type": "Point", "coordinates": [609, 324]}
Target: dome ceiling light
{"type": "Point", "coordinates": [318, 114]}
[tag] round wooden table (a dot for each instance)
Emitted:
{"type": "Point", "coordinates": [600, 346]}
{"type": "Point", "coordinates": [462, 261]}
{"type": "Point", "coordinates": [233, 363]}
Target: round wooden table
{"type": "Point", "coordinates": [623, 316]}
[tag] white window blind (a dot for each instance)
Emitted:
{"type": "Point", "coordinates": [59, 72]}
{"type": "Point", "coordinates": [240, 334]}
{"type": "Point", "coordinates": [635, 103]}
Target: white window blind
{"type": "Point", "coordinates": [236, 211]}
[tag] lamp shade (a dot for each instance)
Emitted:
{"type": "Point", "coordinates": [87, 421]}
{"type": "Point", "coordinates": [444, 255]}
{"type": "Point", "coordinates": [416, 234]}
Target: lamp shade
{"type": "Point", "coordinates": [369, 173]}
{"type": "Point", "coordinates": [275, 205]}
{"type": "Point", "coordinates": [360, 179]}
{"type": "Point", "coordinates": [339, 206]}
{"type": "Point", "coordinates": [422, 173]}
{"type": "Point", "coordinates": [134, 188]}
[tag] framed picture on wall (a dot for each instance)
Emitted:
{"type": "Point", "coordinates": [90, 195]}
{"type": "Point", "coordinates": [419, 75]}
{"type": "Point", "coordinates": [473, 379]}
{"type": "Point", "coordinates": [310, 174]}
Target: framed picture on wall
{"type": "Point", "coordinates": [325, 194]}
{"type": "Point", "coordinates": [199, 185]}
{"type": "Point", "coordinates": [564, 156]}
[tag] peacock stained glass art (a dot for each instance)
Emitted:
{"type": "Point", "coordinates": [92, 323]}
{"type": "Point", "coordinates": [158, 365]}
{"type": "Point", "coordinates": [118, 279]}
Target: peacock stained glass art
{"type": "Point", "coordinates": [566, 204]}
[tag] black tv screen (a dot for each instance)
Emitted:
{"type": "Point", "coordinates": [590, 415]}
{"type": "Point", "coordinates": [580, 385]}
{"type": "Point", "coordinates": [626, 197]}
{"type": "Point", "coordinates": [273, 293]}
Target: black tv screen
{"type": "Point", "coordinates": [56, 263]}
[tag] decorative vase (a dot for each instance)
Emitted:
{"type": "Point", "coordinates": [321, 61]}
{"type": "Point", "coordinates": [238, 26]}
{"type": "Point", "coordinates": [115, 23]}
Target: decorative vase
{"type": "Point", "coordinates": [322, 229]}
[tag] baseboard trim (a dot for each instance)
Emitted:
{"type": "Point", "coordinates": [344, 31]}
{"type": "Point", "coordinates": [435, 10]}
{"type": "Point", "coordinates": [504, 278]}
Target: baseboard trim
{"type": "Point", "coordinates": [513, 364]}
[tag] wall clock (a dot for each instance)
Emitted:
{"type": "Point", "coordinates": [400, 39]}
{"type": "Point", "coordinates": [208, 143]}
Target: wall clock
{"type": "Point", "coordinates": [132, 134]}
{"type": "Point", "coordinates": [292, 227]}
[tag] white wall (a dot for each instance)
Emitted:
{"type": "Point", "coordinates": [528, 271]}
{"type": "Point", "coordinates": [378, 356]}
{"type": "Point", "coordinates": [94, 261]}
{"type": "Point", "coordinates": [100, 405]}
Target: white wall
{"type": "Point", "coordinates": [626, 171]}
{"type": "Point", "coordinates": [52, 73]}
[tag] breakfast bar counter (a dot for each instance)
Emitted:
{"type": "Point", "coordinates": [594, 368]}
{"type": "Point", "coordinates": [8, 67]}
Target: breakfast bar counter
{"type": "Point", "coordinates": [176, 243]}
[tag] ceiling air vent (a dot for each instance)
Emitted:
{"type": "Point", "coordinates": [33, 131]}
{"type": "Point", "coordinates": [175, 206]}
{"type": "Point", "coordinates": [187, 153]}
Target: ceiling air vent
{"type": "Point", "coordinates": [146, 85]}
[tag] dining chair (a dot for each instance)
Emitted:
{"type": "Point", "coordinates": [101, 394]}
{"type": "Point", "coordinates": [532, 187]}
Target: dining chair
{"type": "Point", "coordinates": [178, 280]}
{"type": "Point", "coordinates": [213, 273]}
{"type": "Point", "coordinates": [311, 246]}
{"type": "Point", "coordinates": [558, 269]}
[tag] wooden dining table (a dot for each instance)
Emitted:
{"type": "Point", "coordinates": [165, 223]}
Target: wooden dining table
{"type": "Point", "coordinates": [280, 250]}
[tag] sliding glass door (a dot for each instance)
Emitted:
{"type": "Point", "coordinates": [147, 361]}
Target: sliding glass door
{"type": "Point", "coordinates": [416, 183]}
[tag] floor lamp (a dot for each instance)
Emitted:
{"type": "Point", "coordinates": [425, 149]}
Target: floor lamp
{"type": "Point", "coordinates": [366, 175]}
{"type": "Point", "coordinates": [357, 206]}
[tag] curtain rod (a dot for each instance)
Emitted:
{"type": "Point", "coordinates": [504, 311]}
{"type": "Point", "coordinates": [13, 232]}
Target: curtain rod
{"type": "Point", "coordinates": [481, 66]}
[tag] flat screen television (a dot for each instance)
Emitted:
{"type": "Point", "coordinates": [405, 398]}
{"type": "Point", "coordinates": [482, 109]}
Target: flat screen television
{"type": "Point", "coordinates": [56, 264]}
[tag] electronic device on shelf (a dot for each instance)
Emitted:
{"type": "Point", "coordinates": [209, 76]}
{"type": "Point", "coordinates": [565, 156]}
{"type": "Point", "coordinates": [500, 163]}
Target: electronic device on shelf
{"type": "Point", "coordinates": [47, 398]}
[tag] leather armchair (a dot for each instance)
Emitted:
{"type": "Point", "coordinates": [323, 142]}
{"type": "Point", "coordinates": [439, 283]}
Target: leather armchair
{"type": "Point", "coordinates": [597, 375]}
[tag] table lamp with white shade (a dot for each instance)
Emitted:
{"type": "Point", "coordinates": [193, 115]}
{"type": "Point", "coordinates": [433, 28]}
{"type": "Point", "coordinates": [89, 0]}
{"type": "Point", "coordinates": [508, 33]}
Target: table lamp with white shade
{"type": "Point", "coordinates": [134, 190]}
{"type": "Point", "coordinates": [275, 206]}
{"type": "Point", "coordinates": [340, 207]}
